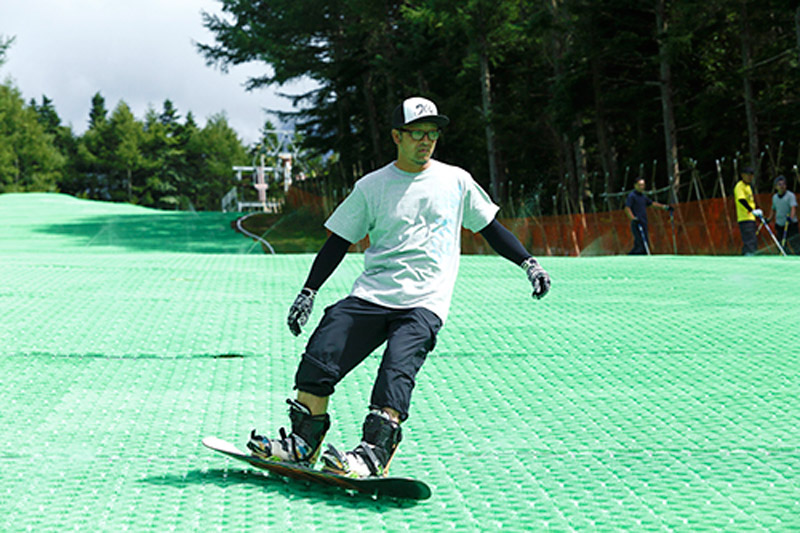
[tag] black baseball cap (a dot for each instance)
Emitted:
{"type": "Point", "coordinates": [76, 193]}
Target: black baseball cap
{"type": "Point", "coordinates": [417, 109]}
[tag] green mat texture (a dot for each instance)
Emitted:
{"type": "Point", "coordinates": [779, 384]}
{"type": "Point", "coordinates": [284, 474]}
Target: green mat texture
{"type": "Point", "coordinates": [643, 393]}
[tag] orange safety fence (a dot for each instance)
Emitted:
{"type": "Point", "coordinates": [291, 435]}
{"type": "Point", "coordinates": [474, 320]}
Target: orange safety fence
{"type": "Point", "coordinates": [705, 227]}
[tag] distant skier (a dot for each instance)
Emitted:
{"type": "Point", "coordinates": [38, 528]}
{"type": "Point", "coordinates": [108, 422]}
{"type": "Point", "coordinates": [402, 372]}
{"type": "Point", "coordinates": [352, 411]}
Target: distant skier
{"type": "Point", "coordinates": [636, 205]}
{"type": "Point", "coordinates": [413, 210]}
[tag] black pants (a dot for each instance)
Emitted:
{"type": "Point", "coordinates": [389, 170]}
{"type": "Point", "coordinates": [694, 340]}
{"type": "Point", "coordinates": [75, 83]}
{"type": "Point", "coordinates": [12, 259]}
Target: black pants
{"type": "Point", "coordinates": [352, 329]}
{"type": "Point", "coordinates": [638, 238]}
{"type": "Point", "coordinates": [749, 243]}
{"type": "Point", "coordinates": [792, 245]}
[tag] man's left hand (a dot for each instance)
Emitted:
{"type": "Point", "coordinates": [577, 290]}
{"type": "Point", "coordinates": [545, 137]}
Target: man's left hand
{"type": "Point", "coordinates": [538, 277]}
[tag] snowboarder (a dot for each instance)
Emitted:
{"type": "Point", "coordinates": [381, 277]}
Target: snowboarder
{"type": "Point", "coordinates": [413, 210]}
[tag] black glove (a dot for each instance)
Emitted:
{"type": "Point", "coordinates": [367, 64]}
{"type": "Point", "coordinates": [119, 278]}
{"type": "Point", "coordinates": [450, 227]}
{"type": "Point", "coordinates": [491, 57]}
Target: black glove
{"type": "Point", "coordinates": [301, 310]}
{"type": "Point", "coordinates": [537, 276]}
{"type": "Point", "coordinates": [670, 209]}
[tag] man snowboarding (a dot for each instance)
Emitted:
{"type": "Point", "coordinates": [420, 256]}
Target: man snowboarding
{"type": "Point", "coordinates": [636, 205]}
{"type": "Point", "coordinates": [413, 210]}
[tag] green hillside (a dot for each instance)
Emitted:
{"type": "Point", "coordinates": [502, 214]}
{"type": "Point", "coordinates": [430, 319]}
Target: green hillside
{"type": "Point", "coordinates": [644, 393]}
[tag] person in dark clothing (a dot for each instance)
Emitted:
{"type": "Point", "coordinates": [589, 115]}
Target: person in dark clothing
{"type": "Point", "coordinates": [636, 205]}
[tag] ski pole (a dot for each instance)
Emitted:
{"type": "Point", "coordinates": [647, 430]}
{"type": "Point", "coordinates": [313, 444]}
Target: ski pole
{"type": "Point", "coordinates": [644, 238]}
{"type": "Point", "coordinates": [774, 239]}
{"type": "Point", "coordinates": [785, 231]}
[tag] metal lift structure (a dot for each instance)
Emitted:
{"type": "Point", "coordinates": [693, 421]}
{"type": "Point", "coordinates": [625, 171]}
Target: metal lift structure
{"type": "Point", "coordinates": [260, 174]}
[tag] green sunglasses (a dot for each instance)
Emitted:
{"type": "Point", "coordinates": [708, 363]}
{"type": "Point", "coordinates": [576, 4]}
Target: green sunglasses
{"type": "Point", "coordinates": [418, 135]}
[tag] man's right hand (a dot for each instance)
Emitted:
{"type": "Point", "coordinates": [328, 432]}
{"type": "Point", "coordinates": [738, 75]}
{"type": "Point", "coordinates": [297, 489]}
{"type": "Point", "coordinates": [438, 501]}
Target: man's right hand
{"type": "Point", "coordinates": [301, 310]}
{"type": "Point", "coordinates": [540, 280]}
{"type": "Point", "coordinates": [758, 213]}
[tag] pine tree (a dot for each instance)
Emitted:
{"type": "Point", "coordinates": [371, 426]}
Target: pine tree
{"type": "Point", "coordinates": [98, 112]}
{"type": "Point", "coordinates": [29, 161]}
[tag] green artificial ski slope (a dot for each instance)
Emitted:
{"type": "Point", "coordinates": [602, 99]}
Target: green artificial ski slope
{"type": "Point", "coordinates": [654, 393]}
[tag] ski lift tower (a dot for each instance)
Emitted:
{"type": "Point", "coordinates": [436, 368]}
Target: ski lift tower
{"type": "Point", "coordinates": [259, 176]}
{"type": "Point", "coordinates": [260, 172]}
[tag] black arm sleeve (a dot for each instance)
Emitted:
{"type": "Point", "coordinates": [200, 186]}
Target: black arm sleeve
{"type": "Point", "coordinates": [745, 204]}
{"type": "Point", "coordinates": [328, 258]}
{"type": "Point", "coordinates": [504, 242]}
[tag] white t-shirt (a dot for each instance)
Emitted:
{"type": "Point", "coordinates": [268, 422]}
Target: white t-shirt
{"type": "Point", "coordinates": [414, 225]}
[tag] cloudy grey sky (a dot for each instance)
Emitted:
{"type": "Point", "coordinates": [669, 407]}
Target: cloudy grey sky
{"type": "Point", "coordinates": [139, 51]}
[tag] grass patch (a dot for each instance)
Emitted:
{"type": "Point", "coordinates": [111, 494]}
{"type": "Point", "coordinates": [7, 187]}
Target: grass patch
{"type": "Point", "coordinates": [297, 231]}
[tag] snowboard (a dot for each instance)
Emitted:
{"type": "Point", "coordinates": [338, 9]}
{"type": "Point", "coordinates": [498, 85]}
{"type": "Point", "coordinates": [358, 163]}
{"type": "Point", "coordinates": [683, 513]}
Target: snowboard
{"type": "Point", "coordinates": [392, 487]}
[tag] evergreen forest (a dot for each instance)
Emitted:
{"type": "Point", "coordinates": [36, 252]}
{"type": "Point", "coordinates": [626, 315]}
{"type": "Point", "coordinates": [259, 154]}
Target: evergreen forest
{"type": "Point", "coordinates": [557, 105]}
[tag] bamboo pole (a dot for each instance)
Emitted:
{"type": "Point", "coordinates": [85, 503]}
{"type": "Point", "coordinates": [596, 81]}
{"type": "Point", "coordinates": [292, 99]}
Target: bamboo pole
{"type": "Point", "coordinates": [682, 226]}
{"type": "Point", "coordinates": [628, 169]}
{"type": "Point", "coordinates": [693, 164]}
{"type": "Point", "coordinates": [716, 184]}
{"type": "Point", "coordinates": [771, 159]}
{"type": "Point", "coordinates": [725, 200]}
{"type": "Point", "coordinates": [571, 229]}
{"type": "Point", "coordinates": [547, 249]}
{"type": "Point", "coordinates": [796, 176]}
{"type": "Point", "coordinates": [757, 175]}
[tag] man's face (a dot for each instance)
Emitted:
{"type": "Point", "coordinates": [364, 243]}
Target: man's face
{"type": "Point", "coordinates": [639, 186]}
{"type": "Point", "coordinates": [412, 151]}
{"type": "Point", "coordinates": [781, 186]}
{"type": "Point", "coordinates": [747, 178]}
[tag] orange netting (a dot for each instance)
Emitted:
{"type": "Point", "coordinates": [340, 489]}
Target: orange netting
{"type": "Point", "coordinates": [699, 227]}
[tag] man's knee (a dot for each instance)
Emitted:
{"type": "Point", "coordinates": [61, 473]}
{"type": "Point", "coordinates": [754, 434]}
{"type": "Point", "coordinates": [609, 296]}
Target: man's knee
{"type": "Point", "coordinates": [314, 379]}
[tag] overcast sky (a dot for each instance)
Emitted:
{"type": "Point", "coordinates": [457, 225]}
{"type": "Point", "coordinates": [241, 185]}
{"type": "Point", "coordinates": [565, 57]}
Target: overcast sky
{"type": "Point", "coordinates": [139, 51]}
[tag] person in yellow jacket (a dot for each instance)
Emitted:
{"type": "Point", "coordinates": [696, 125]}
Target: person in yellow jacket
{"type": "Point", "coordinates": [747, 212]}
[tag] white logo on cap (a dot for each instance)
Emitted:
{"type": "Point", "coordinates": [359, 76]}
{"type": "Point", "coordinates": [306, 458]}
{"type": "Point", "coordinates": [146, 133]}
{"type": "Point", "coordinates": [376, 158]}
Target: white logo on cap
{"type": "Point", "coordinates": [424, 109]}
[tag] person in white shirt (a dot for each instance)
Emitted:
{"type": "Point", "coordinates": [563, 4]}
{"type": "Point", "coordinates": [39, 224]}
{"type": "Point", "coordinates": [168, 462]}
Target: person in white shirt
{"type": "Point", "coordinates": [413, 210]}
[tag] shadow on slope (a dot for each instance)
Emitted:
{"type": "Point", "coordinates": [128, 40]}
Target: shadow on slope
{"type": "Point", "coordinates": [155, 232]}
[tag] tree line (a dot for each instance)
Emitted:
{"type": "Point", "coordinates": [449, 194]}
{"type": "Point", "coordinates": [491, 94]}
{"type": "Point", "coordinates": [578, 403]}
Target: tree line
{"type": "Point", "coordinates": [160, 161]}
{"type": "Point", "coordinates": [553, 102]}
{"type": "Point", "coordinates": [550, 100]}
{"type": "Point", "coordinates": [163, 160]}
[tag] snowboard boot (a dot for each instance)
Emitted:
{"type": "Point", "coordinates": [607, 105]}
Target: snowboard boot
{"type": "Point", "coordinates": [301, 446]}
{"type": "Point", "coordinates": [374, 453]}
